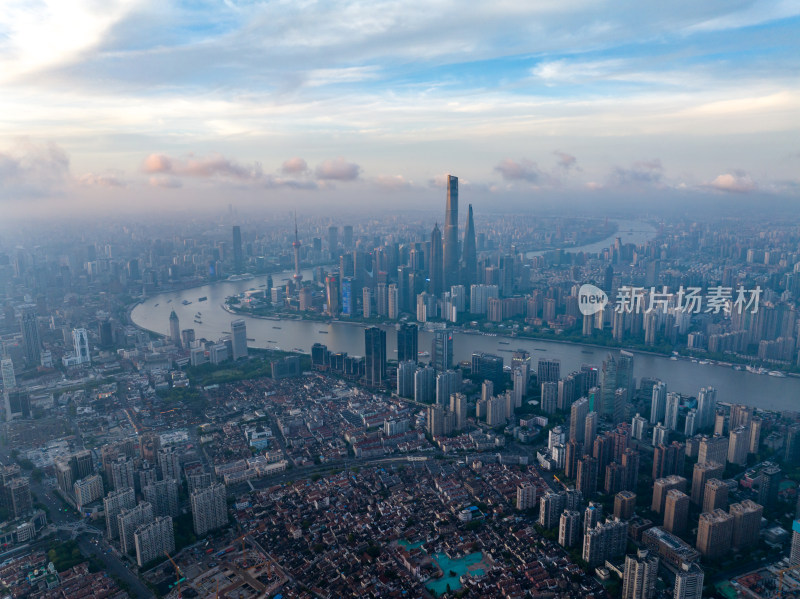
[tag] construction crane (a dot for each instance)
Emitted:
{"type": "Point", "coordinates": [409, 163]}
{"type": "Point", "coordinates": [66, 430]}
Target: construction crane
{"type": "Point", "coordinates": [780, 578]}
{"type": "Point", "coordinates": [179, 577]}
{"type": "Point", "coordinates": [244, 556]}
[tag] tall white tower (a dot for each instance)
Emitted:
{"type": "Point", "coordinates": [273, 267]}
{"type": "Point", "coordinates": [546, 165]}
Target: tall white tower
{"type": "Point", "coordinates": [80, 339]}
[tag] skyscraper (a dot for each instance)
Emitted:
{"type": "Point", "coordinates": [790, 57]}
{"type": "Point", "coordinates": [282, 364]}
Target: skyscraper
{"type": "Point", "coordinates": [671, 412]}
{"type": "Point", "coordinates": [80, 342]}
{"type": "Point", "coordinates": [209, 510]}
{"type": "Point", "coordinates": [668, 459]}
{"type": "Point", "coordinates": [153, 539]}
{"type": "Point", "coordinates": [548, 370]}
{"type": "Point", "coordinates": [746, 523]}
{"type": "Point", "coordinates": [407, 339]}
{"type": "Point", "coordinates": [469, 261]}
{"type": "Point", "coordinates": [624, 505]}
{"type": "Point", "coordinates": [569, 528]}
{"type": "Point", "coordinates": [617, 374]}
{"type": "Point", "coordinates": [347, 237]}
{"type": "Point", "coordinates": [573, 454]}
{"type": "Point", "coordinates": [658, 403]}
{"type": "Point", "coordinates": [488, 367]}
{"type": "Point", "coordinates": [113, 504]}
{"type": "Point", "coordinates": [239, 338]}
{"type": "Point", "coordinates": [586, 478]}
{"type": "Point", "coordinates": [713, 449]}
{"type": "Point", "coordinates": [551, 505]}
{"type": "Point", "coordinates": [163, 496]}
{"type": "Point", "coordinates": [128, 520]}
{"type": "Point", "coordinates": [458, 406]}
{"type": "Point", "coordinates": [641, 571]}
{"type": "Point", "coordinates": [29, 326]}
{"type": "Point", "coordinates": [661, 487]}
{"type": "Point", "coordinates": [701, 474]}
{"type": "Point", "coordinates": [590, 429]}
{"type": "Point", "coordinates": [450, 263]}
{"type": "Point", "coordinates": [405, 378]}
{"type": "Point", "coordinates": [436, 263]}
{"type": "Point", "coordinates": [577, 420]}
{"type": "Point", "coordinates": [17, 496]}
{"type": "Point", "coordinates": [333, 241]}
{"type": "Point", "coordinates": [791, 454]}
{"type": "Point", "coordinates": [375, 355]}
{"type": "Point", "coordinates": [794, 556]}
{"type": "Point", "coordinates": [425, 385]}
{"type": "Point", "coordinates": [689, 582]}
{"type": "Point", "coordinates": [332, 295]}
{"type": "Point", "coordinates": [7, 373]}
{"type": "Point", "coordinates": [769, 485]}
{"type": "Point", "coordinates": [676, 511]}
{"type": "Point", "coordinates": [297, 276]}
{"type": "Point", "coordinates": [706, 407]}
{"type": "Point", "coordinates": [714, 533]}
{"type": "Point", "coordinates": [605, 541]}
{"type": "Point", "coordinates": [526, 496]}
{"type": "Point", "coordinates": [174, 329]}
{"type": "Point", "coordinates": [238, 256]}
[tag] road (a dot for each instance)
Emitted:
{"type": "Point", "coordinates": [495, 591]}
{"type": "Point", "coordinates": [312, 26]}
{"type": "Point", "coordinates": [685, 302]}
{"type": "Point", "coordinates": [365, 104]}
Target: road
{"type": "Point", "coordinates": [58, 517]}
{"type": "Point", "coordinates": [308, 471]}
{"type": "Point", "coordinates": [114, 566]}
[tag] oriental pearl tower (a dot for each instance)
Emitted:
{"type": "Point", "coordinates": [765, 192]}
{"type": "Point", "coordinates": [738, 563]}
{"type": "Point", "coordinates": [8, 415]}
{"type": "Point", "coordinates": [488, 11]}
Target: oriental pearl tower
{"type": "Point", "coordinates": [298, 276]}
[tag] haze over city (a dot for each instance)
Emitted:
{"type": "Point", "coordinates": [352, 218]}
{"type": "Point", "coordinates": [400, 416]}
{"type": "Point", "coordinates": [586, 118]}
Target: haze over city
{"type": "Point", "coordinates": [398, 299]}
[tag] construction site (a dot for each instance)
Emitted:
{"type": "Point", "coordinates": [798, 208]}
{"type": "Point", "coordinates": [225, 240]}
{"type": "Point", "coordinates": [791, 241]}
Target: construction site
{"type": "Point", "coordinates": [238, 570]}
{"type": "Point", "coordinates": [778, 581]}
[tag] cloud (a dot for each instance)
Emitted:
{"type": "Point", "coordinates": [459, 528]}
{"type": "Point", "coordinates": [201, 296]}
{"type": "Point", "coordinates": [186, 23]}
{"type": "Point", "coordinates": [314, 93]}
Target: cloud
{"type": "Point", "coordinates": [101, 180]}
{"type": "Point", "coordinates": [157, 163]}
{"type": "Point", "coordinates": [214, 165]}
{"type": "Point", "coordinates": [321, 77]}
{"type": "Point", "coordinates": [566, 161]}
{"type": "Point", "coordinates": [31, 169]}
{"type": "Point", "coordinates": [337, 169]}
{"type": "Point", "coordinates": [294, 166]}
{"type": "Point", "coordinates": [736, 182]}
{"type": "Point", "coordinates": [438, 181]}
{"type": "Point", "coordinates": [524, 170]}
{"type": "Point", "coordinates": [168, 172]}
{"type": "Point", "coordinates": [643, 172]}
{"type": "Point", "coordinates": [564, 71]}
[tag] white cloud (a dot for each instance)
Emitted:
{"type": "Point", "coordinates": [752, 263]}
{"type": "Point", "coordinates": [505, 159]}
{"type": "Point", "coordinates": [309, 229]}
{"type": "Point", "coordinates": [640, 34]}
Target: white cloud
{"type": "Point", "coordinates": [337, 169]}
{"type": "Point", "coordinates": [32, 169]}
{"type": "Point", "coordinates": [294, 166]}
{"type": "Point", "coordinates": [214, 165]}
{"type": "Point", "coordinates": [102, 180]}
{"type": "Point", "coordinates": [41, 34]}
{"type": "Point", "coordinates": [736, 182]}
{"type": "Point", "coordinates": [641, 172]}
{"type": "Point", "coordinates": [524, 169]}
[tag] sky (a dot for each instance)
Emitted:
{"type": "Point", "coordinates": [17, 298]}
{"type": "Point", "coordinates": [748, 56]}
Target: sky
{"type": "Point", "coordinates": [139, 105]}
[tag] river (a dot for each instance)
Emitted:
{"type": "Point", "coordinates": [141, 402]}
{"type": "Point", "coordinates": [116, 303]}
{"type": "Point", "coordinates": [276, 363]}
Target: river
{"type": "Point", "coordinates": [684, 376]}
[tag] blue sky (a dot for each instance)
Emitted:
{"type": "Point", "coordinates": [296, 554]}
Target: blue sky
{"type": "Point", "coordinates": [105, 104]}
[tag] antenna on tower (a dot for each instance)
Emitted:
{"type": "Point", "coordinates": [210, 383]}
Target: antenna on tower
{"type": "Point", "coordinates": [295, 227]}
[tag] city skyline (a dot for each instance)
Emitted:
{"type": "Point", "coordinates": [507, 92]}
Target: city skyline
{"type": "Point", "coordinates": [548, 103]}
{"type": "Point", "coordinates": [251, 345]}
